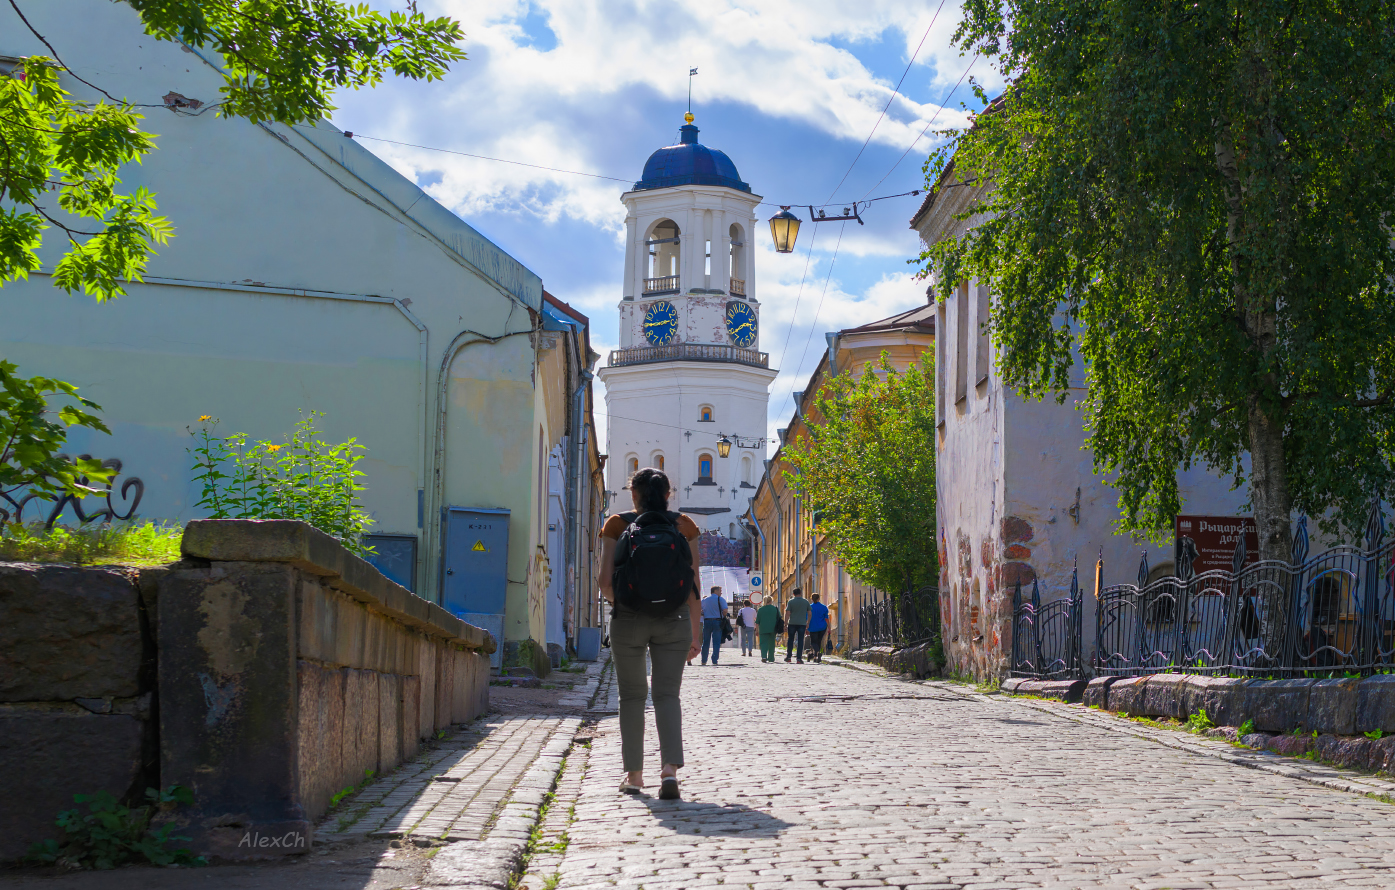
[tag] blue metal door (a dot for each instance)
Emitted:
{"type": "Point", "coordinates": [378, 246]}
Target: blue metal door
{"type": "Point", "coordinates": [475, 570]}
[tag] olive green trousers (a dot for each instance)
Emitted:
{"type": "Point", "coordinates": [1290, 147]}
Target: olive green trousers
{"type": "Point", "coordinates": [666, 642]}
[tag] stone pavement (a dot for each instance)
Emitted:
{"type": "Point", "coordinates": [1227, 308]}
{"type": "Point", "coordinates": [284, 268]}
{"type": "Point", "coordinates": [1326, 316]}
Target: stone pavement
{"type": "Point", "coordinates": [817, 776]}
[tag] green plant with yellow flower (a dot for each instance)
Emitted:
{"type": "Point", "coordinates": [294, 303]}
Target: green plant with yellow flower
{"type": "Point", "coordinates": [302, 478]}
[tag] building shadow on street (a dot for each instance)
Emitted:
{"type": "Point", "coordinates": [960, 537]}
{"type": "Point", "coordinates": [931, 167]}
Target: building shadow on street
{"type": "Point", "coordinates": [714, 819]}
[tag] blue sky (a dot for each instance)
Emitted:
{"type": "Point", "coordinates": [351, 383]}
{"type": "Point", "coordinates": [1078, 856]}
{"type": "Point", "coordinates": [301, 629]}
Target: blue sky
{"type": "Point", "coordinates": [789, 90]}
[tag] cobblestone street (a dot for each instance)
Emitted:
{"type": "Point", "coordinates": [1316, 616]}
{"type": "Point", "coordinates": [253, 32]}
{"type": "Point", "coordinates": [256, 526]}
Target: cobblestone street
{"type": "Point", "coordinates": [823, 776]}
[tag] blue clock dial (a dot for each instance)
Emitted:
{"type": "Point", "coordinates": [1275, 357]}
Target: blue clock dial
{"type": "Point", "coordinates": [660, 323]}
{"type": "Point", "coordinates": [741, 323]}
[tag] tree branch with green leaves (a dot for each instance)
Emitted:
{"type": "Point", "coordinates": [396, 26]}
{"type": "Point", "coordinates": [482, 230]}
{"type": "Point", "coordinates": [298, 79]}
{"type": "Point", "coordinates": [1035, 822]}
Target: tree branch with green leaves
{"type": "Point", "coordinates": [867, 466]}
{"type": "Point", "coordinates": [1192, 201]}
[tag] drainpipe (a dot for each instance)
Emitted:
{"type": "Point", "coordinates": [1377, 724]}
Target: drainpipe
{"type": "Point", "coordinates": [574, 542]}
{"type": "Point", "coordinates": [434, 543]}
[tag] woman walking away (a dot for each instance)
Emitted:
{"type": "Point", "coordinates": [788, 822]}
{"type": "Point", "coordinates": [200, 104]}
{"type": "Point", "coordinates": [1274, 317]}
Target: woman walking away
{"type": "Point", "coordinates": [649, 573]}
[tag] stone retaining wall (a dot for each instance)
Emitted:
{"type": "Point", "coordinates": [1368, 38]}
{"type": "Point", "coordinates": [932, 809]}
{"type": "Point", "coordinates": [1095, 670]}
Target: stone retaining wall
{"type": "Point", "coordinates": [77, 681]}
{"type": "Point", "coordinates": [914, 660]}
{"type": "Point", "coordinates": [266, 671]}
{"type": "Point", "coordinates": [1341, 706]}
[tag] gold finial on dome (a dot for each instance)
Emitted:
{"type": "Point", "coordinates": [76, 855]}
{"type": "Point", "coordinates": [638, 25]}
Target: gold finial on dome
{"type": "Point", "coordinates": [688, 117]}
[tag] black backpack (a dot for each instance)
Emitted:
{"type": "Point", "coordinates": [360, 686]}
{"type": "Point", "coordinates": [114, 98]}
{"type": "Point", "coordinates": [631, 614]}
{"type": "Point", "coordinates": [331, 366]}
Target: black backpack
{"type": "Point", "coordinates": [653, 565]}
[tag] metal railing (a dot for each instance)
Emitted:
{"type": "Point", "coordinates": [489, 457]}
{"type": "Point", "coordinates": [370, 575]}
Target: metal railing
{"type": "Point", "coordinates": [667, 284]}
{"type": "Point", "coordinates": [1330, 614]}
{"type": "Point", "coordinates": [738, 287]}
{"type": "Point", "coordinates": [886, 622]}
{"type": "Point", "coordinates": [14, 502]}
{"type": "Point", "coordinates": [1046, 638]}
{"type": "Point", "coordinates": [688, 352]}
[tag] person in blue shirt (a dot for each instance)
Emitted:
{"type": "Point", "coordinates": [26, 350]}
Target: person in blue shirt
{"type": "Point", "coordinates": [818, 627]}
{"type": "Point", "coordinates": [714, 609]}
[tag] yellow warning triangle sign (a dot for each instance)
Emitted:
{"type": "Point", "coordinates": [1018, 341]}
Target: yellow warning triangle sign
{"type": "Point", "coordinates": [479, 546]}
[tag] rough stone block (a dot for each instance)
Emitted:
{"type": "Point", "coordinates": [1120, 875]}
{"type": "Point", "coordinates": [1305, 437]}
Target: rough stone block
{"type": "Point", "coordinates": [445, 685]}
{"type": "Point", "coordinates": [411, 717]}
{"type": "Point", "coordinates": [228, 706]}
{"type": "Point", "coordinates": [1010, 685]}
{"type": "Point", "coordinates": [1096, 694]}
{"type": "Point", "coordinates": [1375, 704]}
{"type": "Point", "coordinates": [426, 698]}
{"type": "Point", "coordinates": [1291, 745]}
{"type": "Point", "coordinates": [360, 726]}
{"type": "Point", "coordinates": [47, 757]}
{"type": "Point", "coordinates": [1332, 706]}
{"type": "Point", "coordinates": [1163, 696]}
{"type": "Point", "coordinates": [321, 736]}
{"type": "Point", "coordinates": [1223, 698]}
{"type": "Point", "coordinates": [389, 722]}
{"type": "Point", "coordinates": [68, 632]}
{"type": "Point", "coordinates": [1277, 705]}
{"type": "Point", "coordinates": [1064, 690]}
{"type": "Point", "coordinates": [1126, 695]}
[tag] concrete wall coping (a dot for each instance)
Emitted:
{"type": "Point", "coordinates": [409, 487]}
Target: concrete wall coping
{"type": "Point", "coordinates": [313, 551]}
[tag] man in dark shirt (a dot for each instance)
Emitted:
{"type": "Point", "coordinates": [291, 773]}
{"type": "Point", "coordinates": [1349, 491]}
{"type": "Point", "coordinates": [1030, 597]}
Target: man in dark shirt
{"type": "Point", "coordinates": [796, 620]}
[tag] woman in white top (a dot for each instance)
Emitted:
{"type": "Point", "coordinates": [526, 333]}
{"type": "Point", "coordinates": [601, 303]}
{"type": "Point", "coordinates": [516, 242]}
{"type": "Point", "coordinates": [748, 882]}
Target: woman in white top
{"type": "Point", "coordinates": [747, 619]}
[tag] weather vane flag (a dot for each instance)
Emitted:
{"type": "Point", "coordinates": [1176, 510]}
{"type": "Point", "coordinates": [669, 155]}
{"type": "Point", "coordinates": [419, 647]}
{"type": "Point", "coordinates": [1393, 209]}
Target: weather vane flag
{"type": "Point", "coordinates": [691, 73]}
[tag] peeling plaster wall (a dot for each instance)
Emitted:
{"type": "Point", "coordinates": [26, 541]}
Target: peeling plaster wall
{"type": "Point", "coordinates": [1008, 475]}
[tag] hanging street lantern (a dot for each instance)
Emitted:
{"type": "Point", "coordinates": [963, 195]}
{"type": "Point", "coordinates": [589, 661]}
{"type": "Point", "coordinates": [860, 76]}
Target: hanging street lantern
{"type": "Point", "coordinates": [784, 228]}
{"type": "Point", "coordinates": [723, 447]}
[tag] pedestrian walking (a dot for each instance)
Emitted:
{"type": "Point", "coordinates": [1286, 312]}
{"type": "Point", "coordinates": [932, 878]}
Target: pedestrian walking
{"type": "Point", "coordinates": [818, 628]}
{"type": "Point", "coordinates": [714, 613]}
{"type": "Point", "coordinates": [746, 624]}
{"type": "Point", "coordinates": [649, 573]}
{"type": "Point", "coordinates": [796, 620]}
{"type": "Point", "coordinates": [767, 621]}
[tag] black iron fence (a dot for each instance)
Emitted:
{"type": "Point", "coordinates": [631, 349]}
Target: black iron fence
{"type": "Point", "coordinates": [1329, 614]}
{"type": "Point", "coordinates": [1046, 637]}
{"type": "Point", "coordinates": [903, 621]}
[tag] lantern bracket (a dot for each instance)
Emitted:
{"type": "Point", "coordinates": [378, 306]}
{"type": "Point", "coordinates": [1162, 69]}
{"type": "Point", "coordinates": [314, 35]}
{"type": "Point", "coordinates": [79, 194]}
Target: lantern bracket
{"type": "Point", "coordinates": [848, 213]}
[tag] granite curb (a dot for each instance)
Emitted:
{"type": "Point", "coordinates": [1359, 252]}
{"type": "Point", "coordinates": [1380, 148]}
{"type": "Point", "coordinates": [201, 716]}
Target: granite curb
{"type": "Point", "coordinates": [495, 862]}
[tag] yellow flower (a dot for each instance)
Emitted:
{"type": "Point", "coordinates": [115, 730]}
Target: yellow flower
{"type": "Point", "coordinates": [203, 417]}
{"type": "Point", "coordinates": [274, 448]}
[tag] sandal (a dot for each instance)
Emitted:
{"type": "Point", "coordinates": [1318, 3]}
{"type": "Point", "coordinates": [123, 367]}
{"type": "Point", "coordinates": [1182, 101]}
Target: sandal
{"type": "Point", "coordinates": [668, 789]}
{"type": "Point", "coordinates": [627, 788]}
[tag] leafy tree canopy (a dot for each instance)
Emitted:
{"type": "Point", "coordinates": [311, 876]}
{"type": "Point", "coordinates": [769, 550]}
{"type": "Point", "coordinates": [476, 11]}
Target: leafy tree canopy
{"type": "Point", "coordinates": [281, 61]}
{"type": "Point", "coordinates": [868, 469]}
{"type": "Point", "coordinates": [1194, 198]}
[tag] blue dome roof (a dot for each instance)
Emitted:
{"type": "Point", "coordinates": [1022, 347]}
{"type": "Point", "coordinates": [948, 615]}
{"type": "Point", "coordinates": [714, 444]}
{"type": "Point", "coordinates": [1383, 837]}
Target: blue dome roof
{"type": "Point", "coordinates": [689, 163]}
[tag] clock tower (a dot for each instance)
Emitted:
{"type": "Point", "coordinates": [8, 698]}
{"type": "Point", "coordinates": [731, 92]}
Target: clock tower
{"type": "Point", "coordinates": [689, 368]}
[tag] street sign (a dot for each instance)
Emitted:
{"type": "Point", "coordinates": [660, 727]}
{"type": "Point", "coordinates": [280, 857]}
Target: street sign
{"type": "Point", "coordinates": [1215, 538]}
{"type": "Point", "coordinates": [756, 582]}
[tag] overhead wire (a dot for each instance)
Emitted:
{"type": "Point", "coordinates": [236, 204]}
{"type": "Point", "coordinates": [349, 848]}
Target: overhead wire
{"type": "Point", "coordinates": [928, 125]}
{"type": "Point", "coordinates": [892, 98]}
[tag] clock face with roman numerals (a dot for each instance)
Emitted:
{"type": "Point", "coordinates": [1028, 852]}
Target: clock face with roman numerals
{"type": "Point", "coordinates": [741, 323]}
{"type": "Point", "coordinates": [660, 323]}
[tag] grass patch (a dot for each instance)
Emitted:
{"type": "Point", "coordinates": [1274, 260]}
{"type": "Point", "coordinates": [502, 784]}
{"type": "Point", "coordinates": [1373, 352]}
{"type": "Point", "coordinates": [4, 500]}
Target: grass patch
{"type": "Point", "coordinates": [127, 544]}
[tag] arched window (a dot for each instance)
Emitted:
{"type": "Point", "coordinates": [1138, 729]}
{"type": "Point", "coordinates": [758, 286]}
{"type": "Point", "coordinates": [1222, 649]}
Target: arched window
{"type": "Point", "coordinates": [705, 414]}
{"type": "Point", "coordinates": [746, 470]}
{"type": "Point", "coordinates": [738, 260]}
{"type": "Point", "coordinates": [705, 468]}
{"type": "Point", "coordinates": [658, 462]}
{"type": "Point", "coordinates": [631, 467]}
{"type": "Point", "coordinates": [662, 245]}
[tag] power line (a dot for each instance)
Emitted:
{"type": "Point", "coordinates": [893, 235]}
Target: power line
{"type": "Point", "coordinates": [451, 151]}
{"type": "Point", "coordinates": [894, 93]}
{"type": "Point", "coordinates": [799, 295]}
{"type": "Point", "coordinates": [928, 124]}
{"type": "Point", "coordinates": [818, 309]}
{"type": "Point", "coordinates": [467, 154]}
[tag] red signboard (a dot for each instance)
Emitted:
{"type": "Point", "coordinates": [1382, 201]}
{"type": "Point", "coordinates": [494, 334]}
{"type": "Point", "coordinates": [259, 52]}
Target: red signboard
{"type": "Point", "coordinates": [1215, 538]}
